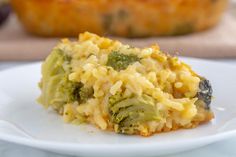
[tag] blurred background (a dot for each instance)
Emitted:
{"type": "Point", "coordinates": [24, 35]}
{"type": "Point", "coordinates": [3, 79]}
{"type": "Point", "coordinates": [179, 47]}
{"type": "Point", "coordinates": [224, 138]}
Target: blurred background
{"type": "Point", "coordinates": [29, 29]}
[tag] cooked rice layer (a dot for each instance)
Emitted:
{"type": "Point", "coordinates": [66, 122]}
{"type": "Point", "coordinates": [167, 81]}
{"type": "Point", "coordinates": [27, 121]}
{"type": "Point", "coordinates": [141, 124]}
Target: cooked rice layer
{"type": "Point", "coordinates": [118, 87]}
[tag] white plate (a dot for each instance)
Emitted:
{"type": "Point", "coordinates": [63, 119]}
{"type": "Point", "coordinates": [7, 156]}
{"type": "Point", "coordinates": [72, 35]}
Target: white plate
{"type": "Point", "coordinates": [25, 122]}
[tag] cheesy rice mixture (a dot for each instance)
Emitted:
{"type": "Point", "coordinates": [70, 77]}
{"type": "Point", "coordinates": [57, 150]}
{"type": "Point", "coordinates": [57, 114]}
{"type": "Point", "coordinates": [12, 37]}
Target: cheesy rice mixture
{"type": "Point", "coordinates": [121, 88]}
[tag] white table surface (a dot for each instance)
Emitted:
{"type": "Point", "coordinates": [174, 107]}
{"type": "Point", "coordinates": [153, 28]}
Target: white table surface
{"type": "Point", "coordinates": [225, 148]}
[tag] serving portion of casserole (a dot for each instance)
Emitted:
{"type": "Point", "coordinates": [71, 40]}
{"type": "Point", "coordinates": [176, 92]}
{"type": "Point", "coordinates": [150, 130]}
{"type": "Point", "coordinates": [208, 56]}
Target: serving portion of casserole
{"type": "Point", "coordinates": [122, 88]}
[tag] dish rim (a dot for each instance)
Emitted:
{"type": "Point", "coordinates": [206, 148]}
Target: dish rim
{"type": "Point", "coordinates": [47, 144]}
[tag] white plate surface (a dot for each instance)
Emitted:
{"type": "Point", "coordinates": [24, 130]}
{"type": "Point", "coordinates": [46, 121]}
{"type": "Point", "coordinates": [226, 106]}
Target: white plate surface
{"type": "Point", "coordinates": [23, 121]}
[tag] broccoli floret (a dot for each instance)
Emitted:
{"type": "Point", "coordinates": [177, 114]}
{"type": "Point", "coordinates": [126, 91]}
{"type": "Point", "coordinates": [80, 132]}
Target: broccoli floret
{"type": "Point", "coordinates": [54, 77]}
{"type": "Point", "coordinates": [69, 90]}
{"type": "Point", "coordinates": [85, 93]}
{"type": "Point", "coordinates": [74, 91]}
{"type": "Point", "coordinates": [205, 92]}
{"type": "Point", "coordinates": [128, 113]}
{"type": "Point", "coordinates": [57, 89]}
{"type": "Point", "coordinates": [116, 98]}
{"type": "Point", "coordinates": [120, 61]}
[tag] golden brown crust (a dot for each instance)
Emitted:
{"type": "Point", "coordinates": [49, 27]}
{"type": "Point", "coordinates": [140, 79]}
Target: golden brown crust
{"type": "Point", "coordinates": [208, 116]}
{"type": "Point", "coordinates": [133, 18]}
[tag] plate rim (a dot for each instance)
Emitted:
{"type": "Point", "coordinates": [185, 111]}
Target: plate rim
{"type": "Point", "coordinates": [47, 144]}
{"type": "Point", "coordinates": [78, 146]}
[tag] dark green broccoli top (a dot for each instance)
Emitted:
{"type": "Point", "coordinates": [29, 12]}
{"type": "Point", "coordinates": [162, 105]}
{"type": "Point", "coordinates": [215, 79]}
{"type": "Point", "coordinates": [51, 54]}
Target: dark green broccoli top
{"type": "Point", "coordinates": [85, 93]}
{"type": "Point", "coordinates": [128, 113]}
{"type": "Point", "coordinates": [205, 92]}
{"type": "Point", "coordinates": [120, 61]}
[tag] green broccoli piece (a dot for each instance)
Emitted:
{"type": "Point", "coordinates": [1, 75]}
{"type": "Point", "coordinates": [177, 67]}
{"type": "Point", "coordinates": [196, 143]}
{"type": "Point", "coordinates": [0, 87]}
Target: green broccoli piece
{"type": "Point", "coordinates": [128, 113]}
{"type": "Point", "coordinates": [54, 77]}
{"type": "Point", "coordinates": [120, 61]}
{"type": "Point", "coordinates": [85, 93]}
{"type": "Point", "coordinates": [57, 89]}
{"type": "Point", "coordinates": [70, 90]}
{"type": "Point", "coordinates": [204, 93]}
{"type": "Point", "coordinates": [116, 98]}
{"type": "Point", "coordinates": [74, 91]}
